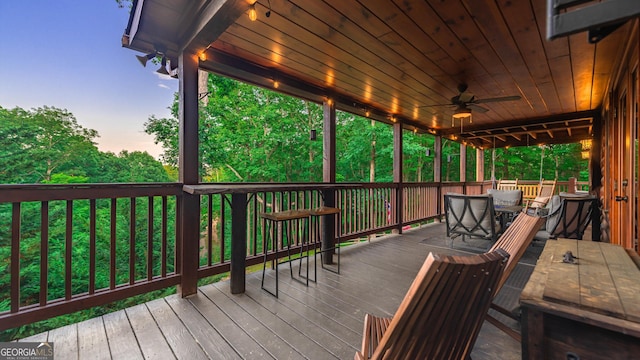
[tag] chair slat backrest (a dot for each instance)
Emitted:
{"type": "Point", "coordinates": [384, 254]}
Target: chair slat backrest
{"type": "Point", "coordinates": [441, 314]}
{"type": "Point", "coordinates": [471, 215]}
{"type": "Point", "coordinates": [546, 189]}
{"type": "Point", "coordinates": [507, 184]}
{"type": "Point", "coordinates": [515, 241]}
{"type": "Point", "coordinates": [574, 217]}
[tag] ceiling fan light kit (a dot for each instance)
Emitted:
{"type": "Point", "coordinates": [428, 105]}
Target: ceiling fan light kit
{"type": "Point", "coordinates": [465, 102]}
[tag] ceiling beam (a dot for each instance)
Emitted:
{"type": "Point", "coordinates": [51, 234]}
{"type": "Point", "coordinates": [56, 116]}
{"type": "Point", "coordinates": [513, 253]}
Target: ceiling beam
{"type": "Point", "coordinates": [579, 115]}
{"type": "Point", "coordinates": [239, 69]}
{"type": "Point", "coordinates": [214, 19]}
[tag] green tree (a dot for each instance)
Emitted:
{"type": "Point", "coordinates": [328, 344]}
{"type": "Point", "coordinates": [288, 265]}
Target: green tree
{"type": "Point", "coordinates": [35, 144]}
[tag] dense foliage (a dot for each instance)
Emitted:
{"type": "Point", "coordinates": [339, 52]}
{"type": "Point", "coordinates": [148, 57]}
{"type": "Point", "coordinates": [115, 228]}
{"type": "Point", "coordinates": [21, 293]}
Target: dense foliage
{"type": "Point", "coordinates": [250, 134]}
{"type": "Point", "coordinates": [47, 145]}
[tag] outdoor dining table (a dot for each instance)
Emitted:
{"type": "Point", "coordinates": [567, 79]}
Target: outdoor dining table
{"type": "Point", "coordinates": [582, 301]}
{"type": "Point", "coordinates": [506, 213]}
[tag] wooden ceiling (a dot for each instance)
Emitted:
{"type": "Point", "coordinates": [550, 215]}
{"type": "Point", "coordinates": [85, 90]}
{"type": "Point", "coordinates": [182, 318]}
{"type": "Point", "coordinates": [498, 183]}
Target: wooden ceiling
{"type": "Point", "coordinates": [401, 60]}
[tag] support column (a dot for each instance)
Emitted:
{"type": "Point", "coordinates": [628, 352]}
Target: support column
{"type": "Point", "coordinates": [188, 172]}
{"type": "Point", "coordinates": [437, 171]}
{"type": "Point", "coordinates": [479, 164]}
{"type": "Point", "coordinates": [463, 163]}
{"type": "Point", "coordinates": [397, 173]}
{"type": "Point", "coordinates": [329, 142]}
{"type": "Point", "coordinates": [238, 243]}
{"type": "Point", "coordinates": [328, 176]}
{"type": "Point", "coordinates": [437, 159]}
{"type": "Point", "coordinates": [595, 177]}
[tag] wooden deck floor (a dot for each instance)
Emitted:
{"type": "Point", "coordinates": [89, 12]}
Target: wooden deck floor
{"type": "Point", "coordinates": [322, 321]}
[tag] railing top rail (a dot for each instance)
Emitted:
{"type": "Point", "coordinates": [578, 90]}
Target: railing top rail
{"type": "Point", "coordinates": [51, 192]}
{"type": "Point", "coordinates": [242, 188]}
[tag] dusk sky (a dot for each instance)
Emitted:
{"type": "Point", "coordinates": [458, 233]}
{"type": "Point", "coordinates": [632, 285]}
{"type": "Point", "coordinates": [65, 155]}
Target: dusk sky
{"type": "Point", "coordinates": [67, 54]}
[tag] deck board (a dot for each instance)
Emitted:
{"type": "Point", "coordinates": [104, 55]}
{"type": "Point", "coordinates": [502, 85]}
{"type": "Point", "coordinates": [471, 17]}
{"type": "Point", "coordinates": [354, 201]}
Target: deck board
{"type": "Point", "coordinates": [93, 343]}
{"type": "Point", "coordinates": [152, 343]}
{"type": "Point", "coordinates": [122, 341]}
{"type": "Point", "coordinates": [322, 321]}
{"type": "Point", "coordinates": [65, 341]}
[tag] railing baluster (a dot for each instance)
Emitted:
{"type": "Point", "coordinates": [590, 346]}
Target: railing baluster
{"type": "Point", "coordinates": [150, 239]}
{"type": "Point", "coordinates": [222, 228]}
{"type": "Point", "coordinates": [113, 247]}
{"type": "Point", "coordinates": [132, 240]}
{"type": "Point", "coordinates": [163, 252]}
{"type": "Point", "coordinates": [210, 229]}
{"type": "Point", "coordinates": [15, 257]}
{"type": "Point", "coordinates": [44, 252]}
{"type": "Point", "coordinates": [68, 251]}
{"type": "Point", "coordinates": [92, 246]}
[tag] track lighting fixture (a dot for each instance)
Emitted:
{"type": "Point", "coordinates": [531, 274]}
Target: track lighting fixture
{"type": "Point", "coordinates": [163, 66]}
{"type": "Point", "coordinates": [143, 59]}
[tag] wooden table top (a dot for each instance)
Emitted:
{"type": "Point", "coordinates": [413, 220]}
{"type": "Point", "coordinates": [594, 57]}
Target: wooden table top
{"type": "Point", "coordinates": [604, 281]}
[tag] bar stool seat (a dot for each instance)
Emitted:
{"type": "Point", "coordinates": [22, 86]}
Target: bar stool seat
{"type": "Point", "coordinates": [288, 219]}
{"type": "Point", "coordinates": [315, 214]}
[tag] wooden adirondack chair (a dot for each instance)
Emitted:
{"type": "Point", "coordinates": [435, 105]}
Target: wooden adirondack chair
{"type": "Point", "coordinates": [545, 192]}
{"type": "Point", "coordinates": [507, 184]}
{"type": "Point", "coordinates": [514, 241]}
{"type": "Point", "coordinates": [441, 314]}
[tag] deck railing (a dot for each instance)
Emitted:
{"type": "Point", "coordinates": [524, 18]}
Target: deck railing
{"type": "Point", "coordinates": [125, 235]}
{"type": "Point", "coordinates": [129, 237]}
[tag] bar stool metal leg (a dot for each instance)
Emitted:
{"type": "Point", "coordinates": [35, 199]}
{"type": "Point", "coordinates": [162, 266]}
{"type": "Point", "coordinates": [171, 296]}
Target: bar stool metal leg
{"type": "Point", "coordinates": [324, 212]}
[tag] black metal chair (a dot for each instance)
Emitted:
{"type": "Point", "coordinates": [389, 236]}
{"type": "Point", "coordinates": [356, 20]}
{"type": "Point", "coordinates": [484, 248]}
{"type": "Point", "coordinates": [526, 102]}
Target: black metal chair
{"type": "Point", "coordinates": [470, 215]}
{"type": "Point", "coordinates": [570, 219]}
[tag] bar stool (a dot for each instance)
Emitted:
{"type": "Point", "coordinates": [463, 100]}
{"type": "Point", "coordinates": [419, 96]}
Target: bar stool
{"type": "Point", "coordinates": [288, 219]}
{"type": "Point", "coordinates": [316, 215]}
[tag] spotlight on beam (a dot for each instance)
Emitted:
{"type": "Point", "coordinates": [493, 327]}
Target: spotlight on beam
{"type": "Point", "coordinates": [163, 66]}
{"type": "Point", "coordinates": [143, 59]}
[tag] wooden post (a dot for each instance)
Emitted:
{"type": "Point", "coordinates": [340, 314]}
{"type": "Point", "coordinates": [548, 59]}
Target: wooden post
{"type": "Point", "coordinates": [328, 175]}
{"type": "Point", "coordinates": [437, 170]}
{"type": "Point", "coordinates": [437, 160]}
{"type": "Point", "coordinates": [329, 142]}
{"type": "Point", "coordinates": [572, 185]}
{"type": "Point", "coordinates": [397, 173]}
{"type": "Point", "coordinates": [595, 177]}
{"type": "Point", "coordinates": [463, 163]}
{"type": "Point", "coordinates": [479, 164]}
{"type": "Point", "coordinates": [188, 173]}
{"type": "Point", "coordinates": [238, 242]}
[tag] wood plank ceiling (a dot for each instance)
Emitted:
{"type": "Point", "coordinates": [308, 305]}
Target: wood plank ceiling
{"type": "Point", "coordinates": [401, 60]}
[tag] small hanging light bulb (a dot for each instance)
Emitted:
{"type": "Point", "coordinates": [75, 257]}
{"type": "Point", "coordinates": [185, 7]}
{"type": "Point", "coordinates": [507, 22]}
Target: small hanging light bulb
{"type": "Point", "coordinates": [253, 14]}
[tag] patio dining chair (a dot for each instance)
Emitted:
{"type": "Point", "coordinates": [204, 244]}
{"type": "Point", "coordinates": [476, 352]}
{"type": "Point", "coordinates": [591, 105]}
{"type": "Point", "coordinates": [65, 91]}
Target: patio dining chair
{"type": "Point", "coordinates": [441, 314]}
{"type": "Point", "coordinates": [569, 219]}
{"type": "Point", "coordinates": [470, 215]}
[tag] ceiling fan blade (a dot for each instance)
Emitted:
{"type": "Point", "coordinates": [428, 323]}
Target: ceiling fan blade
{"type": "Point", "coordinates": [477, 108]}
{"type": "Point", "coordinates": [496, 99]}
{"type": "Point", "coordinates": [423, 106]}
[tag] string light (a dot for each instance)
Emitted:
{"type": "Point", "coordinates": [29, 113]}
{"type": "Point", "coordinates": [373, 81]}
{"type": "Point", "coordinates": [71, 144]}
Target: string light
{"type": "Point", "coordinates": [253, 14]}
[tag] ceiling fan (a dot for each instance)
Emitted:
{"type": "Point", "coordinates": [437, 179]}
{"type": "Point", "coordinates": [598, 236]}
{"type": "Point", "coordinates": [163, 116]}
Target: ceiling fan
{"type": "Point", "coordinates": [465, 102]}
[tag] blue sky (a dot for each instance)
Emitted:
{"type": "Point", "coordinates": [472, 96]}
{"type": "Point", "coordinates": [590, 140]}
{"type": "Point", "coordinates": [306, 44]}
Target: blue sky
{"type": "Point", "coordinates": [67, 54]}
